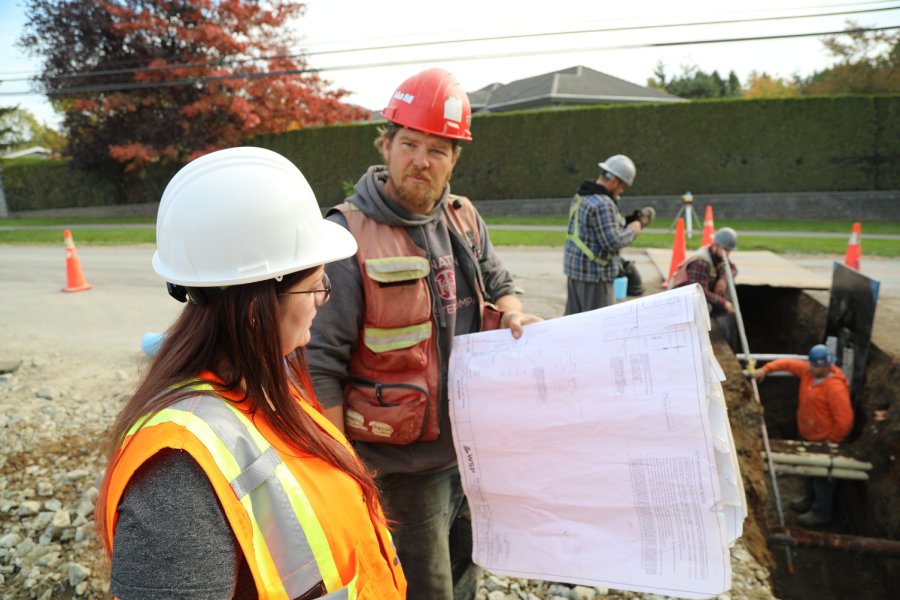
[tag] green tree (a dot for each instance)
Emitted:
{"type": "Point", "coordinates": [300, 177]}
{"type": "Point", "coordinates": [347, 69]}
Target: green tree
{"type": "Point", "coordinates": [140, 81]}
{"type": "Point", "coordinates": [694, 83]}
{"type": "Point", "coordinates": [19, 128]}
{"type": "Point", "coordinates": [868, 62]}
{"type": "Point", "coordinates": [8, 134]}
{"type": "Point", "coordinates": [658, 81]}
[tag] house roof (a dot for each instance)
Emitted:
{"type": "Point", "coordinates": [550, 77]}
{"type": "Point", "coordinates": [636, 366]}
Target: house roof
{"type": "Point", "coordinates": [31, 152]}
{"type": "Point", "coordinates": [575, 85]}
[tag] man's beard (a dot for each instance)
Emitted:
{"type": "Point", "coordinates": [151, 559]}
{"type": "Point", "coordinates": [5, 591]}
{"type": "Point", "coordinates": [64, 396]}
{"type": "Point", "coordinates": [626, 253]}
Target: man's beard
{"type": "Point", "coordinates": [421, 198]}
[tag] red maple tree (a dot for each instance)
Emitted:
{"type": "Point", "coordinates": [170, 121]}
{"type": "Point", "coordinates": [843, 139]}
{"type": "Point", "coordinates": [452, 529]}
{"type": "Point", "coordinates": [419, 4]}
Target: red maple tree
{"type": "Point", "coordinates": [141, 81]}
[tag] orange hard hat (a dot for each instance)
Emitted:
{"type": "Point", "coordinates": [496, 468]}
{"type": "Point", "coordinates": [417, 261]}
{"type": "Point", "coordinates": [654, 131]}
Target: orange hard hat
{"type": "Point", "coordinates": [432, 102]}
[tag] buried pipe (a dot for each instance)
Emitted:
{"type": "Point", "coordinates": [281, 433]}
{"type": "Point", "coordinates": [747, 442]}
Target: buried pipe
{"type": "Point", "coordinates": [772, 374]}
{"type": "Point", "coordinates": [849, 543]}
{"type": "Point", "coordinates": [820, 472]}
{"type": "Point", "coordinates": [767, 357]}
{"type": "Point", "coordinates": [821, 460]}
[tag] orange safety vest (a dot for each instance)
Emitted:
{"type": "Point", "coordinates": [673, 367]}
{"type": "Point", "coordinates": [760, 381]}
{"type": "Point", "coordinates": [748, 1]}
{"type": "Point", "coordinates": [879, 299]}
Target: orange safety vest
{"type": "Point", "coordinates": [299, 521]}
{"type": "Point", "coordinates": [393, 392]}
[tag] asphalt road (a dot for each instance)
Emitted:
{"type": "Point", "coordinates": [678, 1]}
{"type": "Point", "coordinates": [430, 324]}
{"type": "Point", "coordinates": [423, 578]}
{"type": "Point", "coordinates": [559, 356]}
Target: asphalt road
{"type": "Point", "coordinates": [129, 300]}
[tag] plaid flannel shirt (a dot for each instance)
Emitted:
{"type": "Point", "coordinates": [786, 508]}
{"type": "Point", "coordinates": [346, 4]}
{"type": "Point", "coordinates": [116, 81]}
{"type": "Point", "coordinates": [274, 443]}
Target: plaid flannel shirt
{"type": "Point", "coordinates": [602, 228]}
{"type": "Point", "coordinates": [697, 270]}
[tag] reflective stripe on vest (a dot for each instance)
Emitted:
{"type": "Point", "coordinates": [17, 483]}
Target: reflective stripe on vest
{"type": "Point", "coordinates": [385, 340]}
{"type": "Point", "coordinates": [397, 268]}
{"type": "Point", "coordinates": [575, 236]}
{"type": "Point", "coordinates": [285, 527]}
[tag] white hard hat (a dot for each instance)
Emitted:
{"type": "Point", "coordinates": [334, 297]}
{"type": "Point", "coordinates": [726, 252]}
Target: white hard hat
{"type": "Point", "coordinates": [726, 237]}
{"type": "Point", "coordinates": [621, 166]}
{"type": "Point", "coordinates": [242, 215]}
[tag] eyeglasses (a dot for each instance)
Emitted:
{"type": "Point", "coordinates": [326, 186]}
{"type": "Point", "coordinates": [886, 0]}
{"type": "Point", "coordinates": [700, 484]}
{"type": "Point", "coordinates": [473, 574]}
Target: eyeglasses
{"type": "Point", "coordinates": [322, 295]}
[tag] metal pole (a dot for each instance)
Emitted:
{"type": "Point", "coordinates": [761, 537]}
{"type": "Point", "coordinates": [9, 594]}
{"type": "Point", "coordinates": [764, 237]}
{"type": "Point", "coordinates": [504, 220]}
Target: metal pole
{"type": "Point", "coordinates": [765, 432]}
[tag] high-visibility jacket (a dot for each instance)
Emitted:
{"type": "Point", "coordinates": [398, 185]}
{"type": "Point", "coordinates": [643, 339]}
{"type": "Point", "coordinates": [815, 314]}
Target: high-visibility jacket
{"type": "Point", "coordinates": [299, 521]}
{"type": "Point", "coordinates": [394, 389]}
{"type": "Point", "coordinates": [824, 411]}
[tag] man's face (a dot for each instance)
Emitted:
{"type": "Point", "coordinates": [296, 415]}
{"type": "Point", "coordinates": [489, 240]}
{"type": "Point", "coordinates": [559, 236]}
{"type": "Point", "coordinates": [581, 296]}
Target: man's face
{"type": "Point", "coordinates": [615, 186]}
{"type": "Point", "coordinates": [720, 251]}
{"type": "Point", "coordinates": [819, 372]}
{"type": "Point", "coordinates": [419, 168]}
{"type": "Point", "coordinates": [619, 187]}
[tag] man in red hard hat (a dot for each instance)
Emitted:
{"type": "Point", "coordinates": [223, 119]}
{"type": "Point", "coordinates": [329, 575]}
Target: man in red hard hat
{"type": "Point", "coordinates": [425, 271]}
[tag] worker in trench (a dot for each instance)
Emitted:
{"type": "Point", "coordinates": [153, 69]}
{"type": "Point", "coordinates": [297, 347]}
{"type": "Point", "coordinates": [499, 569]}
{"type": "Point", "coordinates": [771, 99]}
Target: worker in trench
{"type": "Point", "coordinates": [824, 414]}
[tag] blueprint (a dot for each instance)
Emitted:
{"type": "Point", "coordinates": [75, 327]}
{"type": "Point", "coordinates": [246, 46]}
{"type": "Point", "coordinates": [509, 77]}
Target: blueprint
{"type": "Point", "coordinates": [596, 449]}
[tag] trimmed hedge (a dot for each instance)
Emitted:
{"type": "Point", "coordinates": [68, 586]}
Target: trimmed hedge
{"type": "Point", "coordinates": [37, 184]}
{"type": "Point", "coordinates": [834, 143]}
{"type": "Point", "coordinates": [810, 144]}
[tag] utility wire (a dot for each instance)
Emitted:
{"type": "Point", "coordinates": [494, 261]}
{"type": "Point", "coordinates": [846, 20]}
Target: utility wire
{"type": "Point", "coordinates": [287, 72]}
{"type": "Point", "coordinates": [413, 44]}
{"type": "Point", "coordinates": [235, 61]}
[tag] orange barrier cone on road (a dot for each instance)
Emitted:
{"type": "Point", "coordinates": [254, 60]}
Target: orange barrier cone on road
{"type": "Point", "coordinates": [74, 274]}
{"type": "Point", "coordinates": [679, 252]}
{"type": "Point", "coordinates": [709, 229]}
{"type": "Point", "coordinates": [854, 247]}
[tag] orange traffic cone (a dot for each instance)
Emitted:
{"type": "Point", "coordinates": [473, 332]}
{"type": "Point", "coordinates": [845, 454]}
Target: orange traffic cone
{"type": "Point", "coordinates": [708, 228]}
{"type": "Point", "coordinates": [854, 248]}
{"type": "Point", "coordinates": [679, 251]}
{"type": "Point", "coordinates": [74, 275]}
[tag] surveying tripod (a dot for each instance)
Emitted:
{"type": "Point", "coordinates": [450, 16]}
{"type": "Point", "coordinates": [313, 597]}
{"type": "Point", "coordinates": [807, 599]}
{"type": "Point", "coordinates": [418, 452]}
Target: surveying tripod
{"type": "Point", "coordinates": [687, 211]}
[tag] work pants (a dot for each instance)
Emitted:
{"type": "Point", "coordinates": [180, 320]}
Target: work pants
{"type": "Point", "coordinates": [727, 324]}
{"type": "Point", "coordinates": [821, 491]}
{"type": "Point", "coordinates": [432, 533]}
{"type": "Point", "coordinates": [583, 296]}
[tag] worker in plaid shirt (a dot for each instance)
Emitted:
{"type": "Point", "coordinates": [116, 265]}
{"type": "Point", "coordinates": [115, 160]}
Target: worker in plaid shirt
{"type": "Point", "coordinates": [707, 269]}
{"type": "Point", "coordinates": [597, 231]}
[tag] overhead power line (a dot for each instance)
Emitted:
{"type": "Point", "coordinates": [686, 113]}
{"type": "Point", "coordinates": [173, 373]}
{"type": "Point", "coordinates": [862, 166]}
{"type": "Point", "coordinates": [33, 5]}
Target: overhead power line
{"type": "Point", "coordinates": [236, 61]}
{"type": "Point", "coordinates": [124, 86]}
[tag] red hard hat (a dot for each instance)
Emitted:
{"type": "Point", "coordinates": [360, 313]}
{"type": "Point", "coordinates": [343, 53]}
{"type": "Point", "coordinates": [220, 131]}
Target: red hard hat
{"type": "Point", "coordinates": [432, 102]}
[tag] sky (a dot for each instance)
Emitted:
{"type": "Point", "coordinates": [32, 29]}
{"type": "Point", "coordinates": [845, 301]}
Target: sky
{"type": "Point", "coordinates": [343, 38]}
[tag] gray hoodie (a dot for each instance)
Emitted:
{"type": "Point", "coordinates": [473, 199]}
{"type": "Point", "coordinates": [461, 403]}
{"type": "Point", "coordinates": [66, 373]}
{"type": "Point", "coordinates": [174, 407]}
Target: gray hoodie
{"type": "Point", "coordinates": [335, 332]}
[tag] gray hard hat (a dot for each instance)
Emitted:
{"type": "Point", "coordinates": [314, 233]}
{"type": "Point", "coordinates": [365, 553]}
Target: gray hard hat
{"type": "Point", "coordinates": [726, 237]}
{"type": "Point", "coordinates": [621, 166]}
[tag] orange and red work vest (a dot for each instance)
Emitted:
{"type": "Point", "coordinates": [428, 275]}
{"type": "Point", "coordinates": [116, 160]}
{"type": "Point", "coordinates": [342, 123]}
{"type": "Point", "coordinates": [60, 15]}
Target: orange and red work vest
{"type": "Point", "coordinates": [394, 389]}
{"type": "Point", "coordinates": [299, 521]}
{"type": "Point", "coordinates": [680, 277]}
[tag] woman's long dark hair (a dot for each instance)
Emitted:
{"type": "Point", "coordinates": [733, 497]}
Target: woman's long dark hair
{"type": "Point", "coordinates": [236, 337]}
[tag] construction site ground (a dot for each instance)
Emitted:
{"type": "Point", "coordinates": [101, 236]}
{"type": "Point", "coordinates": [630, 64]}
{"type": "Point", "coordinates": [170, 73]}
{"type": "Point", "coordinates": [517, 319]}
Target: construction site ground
{"type": "Point", "coordinates": [85, 347]}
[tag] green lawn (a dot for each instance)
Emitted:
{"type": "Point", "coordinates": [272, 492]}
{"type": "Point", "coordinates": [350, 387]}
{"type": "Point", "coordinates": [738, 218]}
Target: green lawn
{"type": "Point", "coordinates": [882, 227]}
{"type": "Point", "coordinates": [85, 235]}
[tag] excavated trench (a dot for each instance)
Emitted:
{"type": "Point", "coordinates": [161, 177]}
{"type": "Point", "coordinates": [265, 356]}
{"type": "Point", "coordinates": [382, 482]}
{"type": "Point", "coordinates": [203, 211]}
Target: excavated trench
{"type": "Point", "coordinates": [857, 555]}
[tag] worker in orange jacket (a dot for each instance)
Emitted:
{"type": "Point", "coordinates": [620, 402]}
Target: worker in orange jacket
{"type": "Point", "coordinates": [225, 480]}
{"type": "Point", "coordinates": [824, 414]}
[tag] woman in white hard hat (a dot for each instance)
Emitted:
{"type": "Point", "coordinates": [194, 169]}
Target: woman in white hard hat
{"type": "Point", "coordinates": [225, 480]}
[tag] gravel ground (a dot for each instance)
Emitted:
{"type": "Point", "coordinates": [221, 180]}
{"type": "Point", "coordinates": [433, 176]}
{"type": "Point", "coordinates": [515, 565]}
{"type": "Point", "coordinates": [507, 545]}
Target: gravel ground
{"type": "Point", "coordinates": [51, 431]}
